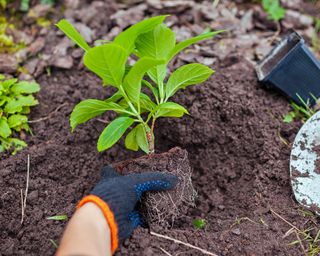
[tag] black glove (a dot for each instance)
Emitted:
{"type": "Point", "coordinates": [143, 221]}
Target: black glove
{"type": "Point", "coordinates": [118, 195]}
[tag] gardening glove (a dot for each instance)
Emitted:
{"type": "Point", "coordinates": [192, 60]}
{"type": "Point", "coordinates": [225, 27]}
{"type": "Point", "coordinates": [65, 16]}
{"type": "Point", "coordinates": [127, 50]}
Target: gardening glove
{"type": "Point", "coordinates": [118, 195]}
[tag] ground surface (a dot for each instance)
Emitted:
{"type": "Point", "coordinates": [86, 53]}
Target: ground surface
{"type": "Point", "coordinates": [237, 142]}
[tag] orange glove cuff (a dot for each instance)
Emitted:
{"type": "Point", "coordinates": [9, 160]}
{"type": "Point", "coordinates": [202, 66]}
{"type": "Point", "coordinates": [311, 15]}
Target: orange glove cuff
{"type": "Point", "coordinates": [108, 214]}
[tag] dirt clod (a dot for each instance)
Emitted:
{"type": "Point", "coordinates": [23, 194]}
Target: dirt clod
{"type": "Point", "coordinates": [164, 207]}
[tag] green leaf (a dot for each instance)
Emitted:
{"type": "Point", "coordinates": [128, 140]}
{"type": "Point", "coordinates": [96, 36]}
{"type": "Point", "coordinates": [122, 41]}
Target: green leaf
{"type": "Point", "coordinates": [128, 37]}
{"type": "Point", "coordinates": [199, 223]}
{"type": "Point", "coordinates": [115, 97]}
{"type": "Point", "coordinates": [132, 81]}
{"type": "Point", "coordinates": [91, 108]}
{"type": "Point", "coordinates": [288, 118]}
{"type": "Point", "coordinates": [17, 120]}
{"type": "Point", "coordinates": [72, 33]}
{"type": "Point", "coordinates": [17, 145]}
{"type": "Point", "coordinates": [187, 75]}
{"type": "Point", "coordinates": [25, 87]}
{"type": "Point", "coordinates": [141, 137]}
{"type": "Point", "coordinates": [58, 217]}
{"type": "Point", "coordinates": [170, 109]}
{"type": "Point", "coordinates": [113, 132]}
{"type": "Point", "coordinates": [2, 148]}
{"type": "Point", "coordinates": [25, 110]}
{"type": "Point", "coordinates": [8, 83]}
{"type": "Point", "coordinates": [153, 89]}
{"type": "Point", "coordinates": [156, 44]}
{"type": "Point", "coordinates": [25, 127]}
{"type": "Point", "coordinates": [5, 130]}
{"type": "Point", "coordinates": [274, 9]}
{"type": "Point", "coordinates": [16, 105]}
{"type": "Point", "coordinates": [4, 99]}
{"type": "Point", "coordinates": [184, 44]}
{"type": "Point", "coordinates": [146, 102]}
{"type": "Point", "coordinates": [108, 62]}
{"type": "Point", "coordinates": [130, 141]}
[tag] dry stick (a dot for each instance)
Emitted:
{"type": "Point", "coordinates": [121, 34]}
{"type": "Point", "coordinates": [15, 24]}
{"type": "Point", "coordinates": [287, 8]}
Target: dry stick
{"type": "Point", "coordinates": [296, 230]}
{"type": "Point", "coordinates": [24, 200]}
{"type": "Point", "coordinates": [102, 121]}
{"type": "Point", "coordinates": [279, 216]}
{"type": "Point", "coordinates": [180, 242]}
{"type": "Point", "coordinates": [49, 115]}
{"type": "Point", "coordinates": [165, 252]}
{"type": "Point", "coordinates": [277, 33]}
{"type": "Point", "coordinates": [301, 244]}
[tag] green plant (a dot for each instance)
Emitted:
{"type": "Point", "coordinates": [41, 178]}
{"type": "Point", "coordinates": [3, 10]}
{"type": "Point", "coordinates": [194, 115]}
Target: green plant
{"type": "Point", "coordinates": [3, 4]}
{"type": "Point", "coordinates": [306, 237]}
{"type": "Point", "coordinates": [303, 112]}
{"type": "Point", "coordinates": [199, 223]}
{"type": "Point", "coordinates": [15, 102]}
{"type": "Point", "coordinates": [154, 46]}
{"type": "Point", "coordinates": [25, 4]}
{"type": "Point", "coordinates": [58, 217]}
{"type": "Point", "coordinates": [274, 9]}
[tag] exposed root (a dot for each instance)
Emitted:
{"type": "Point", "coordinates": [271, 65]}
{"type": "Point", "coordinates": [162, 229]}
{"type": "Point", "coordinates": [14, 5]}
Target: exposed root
{"type": "Point", "coordinates": [183, 243]}
{"type": "Point", "coordinates": [163, 207]}
{"type": "Point", "coordinates": [24, 197]}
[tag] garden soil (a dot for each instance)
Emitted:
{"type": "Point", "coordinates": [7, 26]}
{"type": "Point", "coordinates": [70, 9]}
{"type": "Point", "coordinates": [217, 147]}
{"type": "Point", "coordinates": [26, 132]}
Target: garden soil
{"type": "Point", "coordinates": [238, 148]}
{"type": "Point", "coordinates": [237, 144]}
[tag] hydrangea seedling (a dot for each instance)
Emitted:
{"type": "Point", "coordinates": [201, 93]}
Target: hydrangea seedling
{"type": "Point", "coordinates": [154, 45]}
{"type": "Point", "coordinates": [15, 101]}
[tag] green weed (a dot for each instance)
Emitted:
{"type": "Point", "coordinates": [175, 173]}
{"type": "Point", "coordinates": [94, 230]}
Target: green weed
{"type": "Point", "coordinates": [15, 101]}
{"type": "Point", "coordinates": [299, 112]}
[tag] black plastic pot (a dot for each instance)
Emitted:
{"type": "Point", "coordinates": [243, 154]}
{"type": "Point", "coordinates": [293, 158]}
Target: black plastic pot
{"type": "Point", "coordinates": [293, 69]}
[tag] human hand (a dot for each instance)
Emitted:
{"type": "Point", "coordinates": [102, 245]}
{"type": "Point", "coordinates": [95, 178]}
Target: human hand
{"type": "Point", "coordinates": [118, 195]}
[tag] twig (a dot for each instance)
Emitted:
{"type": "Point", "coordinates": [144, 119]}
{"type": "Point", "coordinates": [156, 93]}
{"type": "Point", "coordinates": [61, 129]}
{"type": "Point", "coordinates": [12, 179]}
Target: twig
{"type": "Point", "coordinates": [22, 208]}
{"type": "Point", "coordinates": [280, 217]}
{"type": "Point", "coordinates": [301, 244]}
{"type": "Point", "coordinates": [49, 115]}
{"type": "Point", "coordinates": [102, 121]}
{"type": "Point", "coordinates": [164, 251]}
{"type": "Point", "coordinates": [293, 229]}
{"type": "Point", "coordinates": [277, 33]}
{"type": "Point", "coordinates": [180, 242]}
{"type": "Point", "coordinates": [24, 199]}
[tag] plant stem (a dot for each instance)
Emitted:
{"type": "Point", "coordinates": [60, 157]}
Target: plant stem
{"type": "Point", "coordinates": [149, 132]}
{"type": "Point", "coordinates": [150, 136]}
{"type": "Point", "coordinates": [161, 92]}
{"type": "Point", "coordinates": [150, 141]}
{"type": "Point", "coordinates": [136, 113]}
{"type": "Point", "coordinates": [152, 124]}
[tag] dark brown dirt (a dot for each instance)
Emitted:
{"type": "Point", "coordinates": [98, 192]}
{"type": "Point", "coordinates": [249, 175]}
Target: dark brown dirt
{"type": "Point", "coordinates": [235, 140]}
{"type": "Point", "coordinates": [165, 207]}
{"type": "Point", "coordinates": [232, 136]}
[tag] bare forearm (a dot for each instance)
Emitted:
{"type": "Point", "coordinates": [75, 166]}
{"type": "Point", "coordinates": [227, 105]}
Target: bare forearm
{"type": "Point", "coordinates": [87, 233]}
